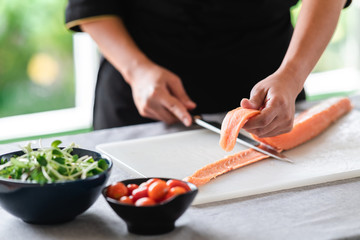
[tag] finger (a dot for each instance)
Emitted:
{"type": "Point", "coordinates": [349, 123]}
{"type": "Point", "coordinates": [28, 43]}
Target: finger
{"type": "Point", "coordinates": [174, 106]}
{"type": "Point", "coordinates": [270, 130]}
{"type": "Point", "coordinates": [263, 120]}
{"type": "Point", "coordinates": [177, 89]}
{"type": "Point", "coordinates": [245, 103]}
{"type": "Point", "coordinates": [257, 99]}
{"type": "Point", "coordinates": [164, 115]}
{"type": "Point", "coordinates": [280, 125]}
{"type": "Point", "coordinates": [276, 131]}
{"type": "Point", "coordinates": [153, 108]}
{"type": "Point", "coordinates": [282, 122]}
{"type": "Point", "coordinates": [157, 112]}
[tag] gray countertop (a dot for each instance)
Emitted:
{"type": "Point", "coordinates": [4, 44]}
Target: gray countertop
{"type": "Point", "coordinates": [324, 211]}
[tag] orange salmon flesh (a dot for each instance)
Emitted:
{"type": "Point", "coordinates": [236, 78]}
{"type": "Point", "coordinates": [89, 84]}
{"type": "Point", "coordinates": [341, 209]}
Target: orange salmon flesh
{"type": "Point", "coordinates": [307, 125]}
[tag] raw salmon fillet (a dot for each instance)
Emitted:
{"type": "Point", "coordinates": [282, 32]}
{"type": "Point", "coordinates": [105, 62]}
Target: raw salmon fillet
{"type": "Point", "coordinates": [231, 125]}
{"type": "Point", "coordinates": [225, 165]}
{"type": "Point", "coordinates": [310, 123]}
{"type": "Point", "coordinates": [307, 125]}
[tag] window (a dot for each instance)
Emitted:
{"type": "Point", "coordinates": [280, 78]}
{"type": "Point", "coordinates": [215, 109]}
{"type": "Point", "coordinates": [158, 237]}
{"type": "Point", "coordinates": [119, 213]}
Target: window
{"type": "Point", "coordinates": [37, 69]}
{"type": "Point", "coordinates": [38, 91]}
{"type": "Point", "coordinates": [338, 70]}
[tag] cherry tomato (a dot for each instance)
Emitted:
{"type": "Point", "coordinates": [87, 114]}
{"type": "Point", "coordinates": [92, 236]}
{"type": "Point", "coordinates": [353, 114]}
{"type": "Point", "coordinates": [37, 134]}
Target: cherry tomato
{"type": "Point", "coordinates": [127, 200]}
{"type": "Point", "coordinates": [140, 192]}
{"type": "Point", "coordinates": [117, 190]}
{"type": "Point", "coordinates": [174, 191]}
{"type": "Point", "coordinates": [158, 190]}
{"type": "Point", "coordinates": [177, 183]}
{"type": "Point", "coordinates": [145, 201]}
{"type": "Point", "coordinates": [144, 184]}
{"type": "Point", "coordinates": [151, 180]}
{"type": "Point", "coordinates": [131, 187]}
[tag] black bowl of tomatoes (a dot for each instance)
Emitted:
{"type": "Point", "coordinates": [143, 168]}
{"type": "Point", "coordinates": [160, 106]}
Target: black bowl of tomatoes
{"type": "Point", "coordinates": [150, 205]}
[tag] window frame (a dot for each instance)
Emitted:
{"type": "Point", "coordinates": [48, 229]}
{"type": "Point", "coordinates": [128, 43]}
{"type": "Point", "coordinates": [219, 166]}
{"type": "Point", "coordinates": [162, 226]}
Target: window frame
{"type": "Point", "coordinates": [86, 60]}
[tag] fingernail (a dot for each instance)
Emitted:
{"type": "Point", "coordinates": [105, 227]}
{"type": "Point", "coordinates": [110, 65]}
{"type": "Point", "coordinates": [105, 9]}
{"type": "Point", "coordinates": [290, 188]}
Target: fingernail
{"type": "Point", "coordinates": [187, 122]}
{"type": "Point", "coordinates": [191, 103]}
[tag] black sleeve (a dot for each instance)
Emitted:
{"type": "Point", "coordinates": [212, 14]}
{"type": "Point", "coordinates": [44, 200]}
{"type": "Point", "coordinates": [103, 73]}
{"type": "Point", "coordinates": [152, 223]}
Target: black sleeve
{"type": "Point", "coordinates": [79, 11]}
{"type": "Point", "coordinates": [348, 2]}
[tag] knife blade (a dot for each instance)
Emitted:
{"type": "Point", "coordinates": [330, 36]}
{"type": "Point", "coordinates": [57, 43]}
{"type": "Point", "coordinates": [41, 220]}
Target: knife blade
{"type": "Point", "coordinates": [242, 139]}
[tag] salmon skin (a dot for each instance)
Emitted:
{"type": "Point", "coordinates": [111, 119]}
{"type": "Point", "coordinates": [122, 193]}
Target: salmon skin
{"type": "Point", "coordinates": [307, 125]}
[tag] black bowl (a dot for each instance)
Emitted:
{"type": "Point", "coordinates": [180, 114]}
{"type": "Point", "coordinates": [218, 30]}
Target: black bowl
{"type": "Point", "coordinates": [155, 219]}
{"type": "Point", "coordinates": [52, 203]}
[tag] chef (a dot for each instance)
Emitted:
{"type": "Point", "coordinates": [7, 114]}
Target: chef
{"type": "Point", "coordinates": [165, 60]}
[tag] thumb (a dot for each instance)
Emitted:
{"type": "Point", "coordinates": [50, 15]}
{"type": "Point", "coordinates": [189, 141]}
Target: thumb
{"type": "Point", "coordinates": [255, 102]}
{"type": "Point", "coordinates": [245, 103]}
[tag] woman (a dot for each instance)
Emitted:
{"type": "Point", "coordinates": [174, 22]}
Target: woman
{"type": "Point", "coordinates": [164, 59]}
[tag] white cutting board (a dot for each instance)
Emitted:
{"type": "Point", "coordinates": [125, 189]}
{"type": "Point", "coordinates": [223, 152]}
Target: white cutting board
{"type": "Point", "coordinates": [333, 155]}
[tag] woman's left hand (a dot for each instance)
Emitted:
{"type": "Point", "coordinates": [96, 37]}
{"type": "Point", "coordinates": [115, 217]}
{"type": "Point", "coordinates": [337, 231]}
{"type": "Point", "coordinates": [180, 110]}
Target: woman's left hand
{"type": "Point", "coordinates": [275, 97]}
{"type": "Point", "coordinates": [276, 94]}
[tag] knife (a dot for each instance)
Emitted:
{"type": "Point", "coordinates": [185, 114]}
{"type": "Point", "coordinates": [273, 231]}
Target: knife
{"type": "Point", "coordinates": [244, 140]}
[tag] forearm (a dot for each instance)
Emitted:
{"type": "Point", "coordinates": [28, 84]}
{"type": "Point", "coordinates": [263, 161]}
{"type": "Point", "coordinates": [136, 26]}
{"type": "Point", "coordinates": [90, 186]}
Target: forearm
{"type": "Point", "coordinates": [157, 92]}
{"type": "Point", "coordinates": [116, 45]}
{"type": "Point", "coordinates": [315, 26]}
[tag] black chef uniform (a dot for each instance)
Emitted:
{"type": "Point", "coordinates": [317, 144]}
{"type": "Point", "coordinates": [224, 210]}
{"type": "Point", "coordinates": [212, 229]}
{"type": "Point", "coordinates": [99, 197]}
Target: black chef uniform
{"type": "Point", "coordinates": [219, 48]}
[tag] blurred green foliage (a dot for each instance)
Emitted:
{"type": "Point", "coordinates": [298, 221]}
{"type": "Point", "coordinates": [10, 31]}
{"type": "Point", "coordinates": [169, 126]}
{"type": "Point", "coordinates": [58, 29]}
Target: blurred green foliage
{"type": "Point", "coordinates": [28, 28]}
{"type": "Point", "coordinates": [335, 53]}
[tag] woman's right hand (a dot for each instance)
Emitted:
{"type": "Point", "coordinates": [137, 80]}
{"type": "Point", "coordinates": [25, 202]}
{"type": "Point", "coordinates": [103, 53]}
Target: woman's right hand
{"type": "Point", "coordinates": [159, 94]}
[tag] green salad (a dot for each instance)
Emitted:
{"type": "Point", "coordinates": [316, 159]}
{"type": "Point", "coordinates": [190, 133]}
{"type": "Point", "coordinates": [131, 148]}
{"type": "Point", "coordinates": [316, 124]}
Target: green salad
{"type": "Point", "coordinates": [48, 165]}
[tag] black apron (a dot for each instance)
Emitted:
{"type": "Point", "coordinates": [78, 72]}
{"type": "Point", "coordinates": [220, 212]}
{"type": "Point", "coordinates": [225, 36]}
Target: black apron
{"type": "Point", "coordinates": [219, 48]}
